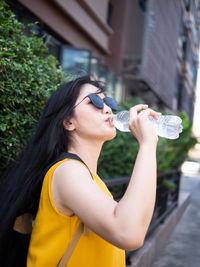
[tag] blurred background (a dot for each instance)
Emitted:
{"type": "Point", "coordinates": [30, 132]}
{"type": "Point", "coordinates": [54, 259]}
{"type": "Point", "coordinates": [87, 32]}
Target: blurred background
{"type": "Point", "coordinates": [148, 48]}
{"type": "Point", "coordinates": [138, 47]}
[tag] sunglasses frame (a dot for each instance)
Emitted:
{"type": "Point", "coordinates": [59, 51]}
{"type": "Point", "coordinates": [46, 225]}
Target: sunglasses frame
{"type": "Point", "coordinates": [98, 102]}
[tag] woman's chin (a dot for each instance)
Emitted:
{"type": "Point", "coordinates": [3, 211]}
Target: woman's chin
{"type": "Point", "coordinates": [111, 135]}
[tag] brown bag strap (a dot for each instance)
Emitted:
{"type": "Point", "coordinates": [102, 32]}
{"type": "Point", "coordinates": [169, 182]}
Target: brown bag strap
{"type": "Point", "coordinates": [65, 259]}
{"type": "Point", "coordinates": [23, 223]}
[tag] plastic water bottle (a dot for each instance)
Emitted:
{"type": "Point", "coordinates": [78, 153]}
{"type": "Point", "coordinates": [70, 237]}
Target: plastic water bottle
{"type": "Point", "coordinates": [167, 126]}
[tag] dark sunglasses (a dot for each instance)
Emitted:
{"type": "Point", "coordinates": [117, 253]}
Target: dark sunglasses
{"type": "Point", "coordinates": [98, 102]}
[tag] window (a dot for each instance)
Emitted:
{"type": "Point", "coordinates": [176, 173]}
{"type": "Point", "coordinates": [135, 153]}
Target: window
{"type": "Point", "coordinates": [197, 34]}
{"type": "Point", "coordinates": [109, 13]}
{"type": "Point", "coordinates": [103, 73]}
{"type": "Point", "coordinates": [75, 61]}
{"type": "Point", "coordinates": [194, 71]}
{"type": "Point", "coordinates": [119, 89]}
{"type": "Point", "coordinates": [180, 92]}
{"type": "Point", "coordinates": [184, 45]}
{"type": "Point", "coordinates": [143, 5]}
{"type": "Point", "coordinates": [94, 68]}
{"type": "Point", "coordinates": [111, 84]}
{"type": "Point", "coordinates": [54, 46]}
{"type": "Point", "coordinates": [187, 5]}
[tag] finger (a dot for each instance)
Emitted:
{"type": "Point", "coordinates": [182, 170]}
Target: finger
{"type": "Point", "coordinates": [143, 113]}
{"type": "Point", "coordinates": [132, 114]}
{"type": "Point", "coordinates": [139, 107]}
{"type": "Point", "coordinates": [154, 114]}
{"type": "Point", "coordinates": [134, 110]}
{"type": "Point", "coordinates": [150, 112]}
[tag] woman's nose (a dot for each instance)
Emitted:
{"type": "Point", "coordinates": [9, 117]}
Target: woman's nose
{"type": "Point", "coordinates": [107, 109]}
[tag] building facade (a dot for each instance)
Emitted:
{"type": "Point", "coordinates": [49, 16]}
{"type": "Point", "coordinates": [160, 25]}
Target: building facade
{"type": "Point", "coordinates": [188, 56]}
{"type": "Point", "coordinates": [159, 52]}
{"type": "Point", "coordinates": [138, 47]}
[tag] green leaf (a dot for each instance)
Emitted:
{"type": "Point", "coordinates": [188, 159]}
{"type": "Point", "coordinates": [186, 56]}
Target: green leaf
{"type": "Point", "coordinates": [3, 127]}
{"type": "Point", "coordinates": [169, 184]}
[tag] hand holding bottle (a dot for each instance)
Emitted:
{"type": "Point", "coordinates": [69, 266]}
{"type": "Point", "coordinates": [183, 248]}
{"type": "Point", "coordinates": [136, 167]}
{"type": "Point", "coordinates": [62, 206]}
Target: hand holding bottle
{"type": "Point", "coordinates": [140, 125]}
{"type": "Point", "coordinates": [168, 126]}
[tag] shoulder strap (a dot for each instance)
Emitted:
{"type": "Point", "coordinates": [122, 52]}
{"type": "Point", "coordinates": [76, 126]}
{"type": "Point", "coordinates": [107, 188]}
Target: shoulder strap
{"type": "Point", "coordinates": [82, 229]}
{"type": "Point", "coordinates": [23, 223]}
{"type": "Point", "coordinates": [63, 262]}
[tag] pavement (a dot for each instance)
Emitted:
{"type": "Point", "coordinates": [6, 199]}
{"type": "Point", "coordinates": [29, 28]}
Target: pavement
{"type": "Point", "coordinates": [176, 243]}
{"type": "Point", "coordinates": [182, 249]}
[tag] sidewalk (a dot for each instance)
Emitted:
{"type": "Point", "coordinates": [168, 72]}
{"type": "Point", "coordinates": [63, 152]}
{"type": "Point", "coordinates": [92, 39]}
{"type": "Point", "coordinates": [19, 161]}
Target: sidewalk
{"type": "Point", "coordinates": [175, 243]}
{"type": "Point", "coordinates": [182, 248]}
{"type": "Point", "coordinates": [145, 256]}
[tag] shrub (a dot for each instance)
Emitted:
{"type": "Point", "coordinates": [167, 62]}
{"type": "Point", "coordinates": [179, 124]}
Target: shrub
{"type": "Point", "coordinates": [28, 75]}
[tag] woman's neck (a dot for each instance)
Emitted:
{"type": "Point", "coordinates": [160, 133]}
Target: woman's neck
{"type": "Point", "coordinates": [88, 151]}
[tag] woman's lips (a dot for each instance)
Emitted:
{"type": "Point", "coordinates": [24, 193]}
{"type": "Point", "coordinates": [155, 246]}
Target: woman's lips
{"type": "Point", "coordinates": [110, 120]}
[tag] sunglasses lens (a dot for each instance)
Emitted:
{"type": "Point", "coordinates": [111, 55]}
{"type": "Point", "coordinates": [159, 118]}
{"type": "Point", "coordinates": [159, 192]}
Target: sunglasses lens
{"type": "Point", "coordinates": [111, 103]}
{"type": "Point", "coordinates": [96, 101]}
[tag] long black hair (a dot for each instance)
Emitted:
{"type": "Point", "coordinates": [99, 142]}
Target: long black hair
{"type": "Point", "coordinates": [21, 191]}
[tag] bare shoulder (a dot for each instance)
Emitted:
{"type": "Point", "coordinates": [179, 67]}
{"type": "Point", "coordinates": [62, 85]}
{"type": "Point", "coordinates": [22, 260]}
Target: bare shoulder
{"type": "Point", "coordinates": [70, 179]}
{"type": "Point", "coordinates": [71, 169]}
{"type": "Point", "coordinates": [67, 181]}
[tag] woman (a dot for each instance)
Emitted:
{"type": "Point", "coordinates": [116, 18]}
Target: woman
{"type": "Point", "coordinates": [62, 193]}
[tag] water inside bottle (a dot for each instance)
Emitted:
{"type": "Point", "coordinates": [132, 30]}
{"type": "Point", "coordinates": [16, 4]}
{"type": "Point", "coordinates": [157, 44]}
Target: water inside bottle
{"type": "Point", "coordinates": [121, 121]}
{"type": "Point", "coordinates": [124, 127]}
{"type": "Point", "coordinates": [167, 126]}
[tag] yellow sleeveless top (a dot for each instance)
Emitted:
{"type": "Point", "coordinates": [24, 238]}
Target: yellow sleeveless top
{"type": "Point", "coordinates": [53, 231]}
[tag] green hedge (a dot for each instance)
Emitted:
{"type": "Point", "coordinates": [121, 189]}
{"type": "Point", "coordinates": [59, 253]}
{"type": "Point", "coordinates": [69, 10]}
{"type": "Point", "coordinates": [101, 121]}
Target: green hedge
{"type": "Point", "coordinates": [28, 75]}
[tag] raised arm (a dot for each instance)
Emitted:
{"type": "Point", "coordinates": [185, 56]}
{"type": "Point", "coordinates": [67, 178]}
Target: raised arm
{"type": "Point", "coordinates": [138, 202]}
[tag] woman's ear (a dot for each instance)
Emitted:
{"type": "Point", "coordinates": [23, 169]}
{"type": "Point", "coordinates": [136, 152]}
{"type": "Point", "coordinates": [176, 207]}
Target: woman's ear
{"type": "Point", "coordinates": [68, 125]}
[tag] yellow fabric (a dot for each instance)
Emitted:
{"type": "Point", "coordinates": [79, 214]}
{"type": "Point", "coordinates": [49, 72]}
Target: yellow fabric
{"type": "Point", "coordinates": [53, 231]}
